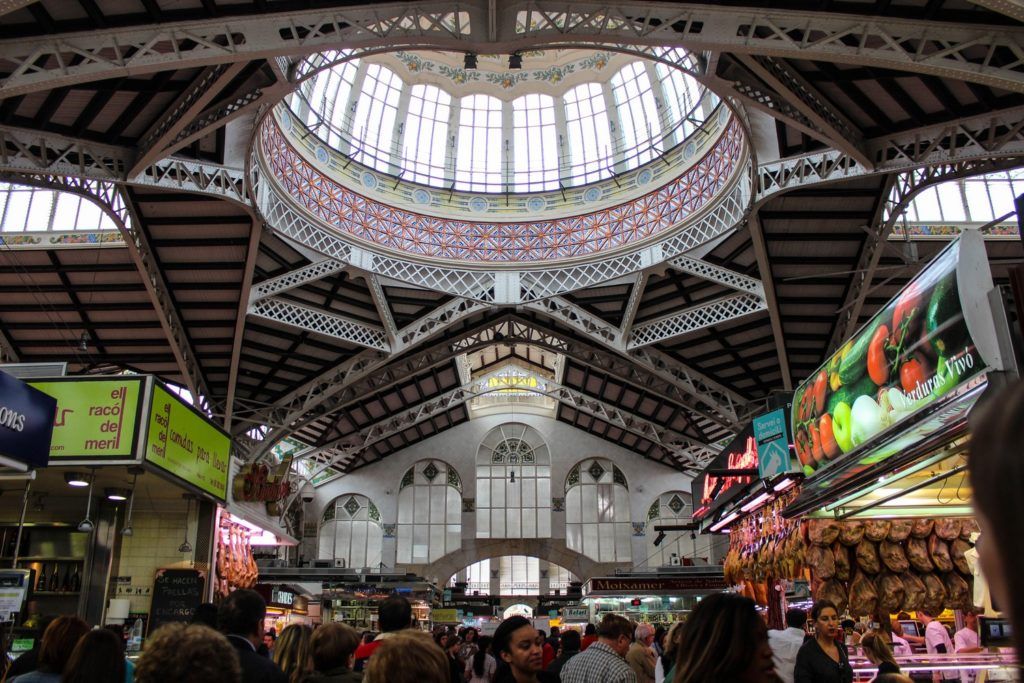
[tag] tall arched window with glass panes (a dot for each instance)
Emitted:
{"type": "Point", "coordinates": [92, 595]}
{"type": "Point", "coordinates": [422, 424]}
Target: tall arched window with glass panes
{"type": "Point", "coordinates": [350, 530]}
{"type": "Point", "coordinates": [597, 520]}
{"type": "Point", "coordinates": [513, 484]}
{"type": "Point", "coordinates": [429, 512]}
{"type": "Point", "coordinates": [672, 508]}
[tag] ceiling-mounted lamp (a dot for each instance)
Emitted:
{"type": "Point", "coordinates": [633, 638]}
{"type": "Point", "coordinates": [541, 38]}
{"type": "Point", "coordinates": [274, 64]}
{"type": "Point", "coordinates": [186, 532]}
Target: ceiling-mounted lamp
{"type": "Point", "coordinates": [83, 342]}
{"type": "Point", "coordinates": [77, 479]}
{"type": "Point", "coordinates": [470, 60]}
{"type": "Point", "coordinates": [515, 61]}
{"type": "Point", "coordinates": [128, 530]}
{"type": "Point", "coordinates": [116, 493]}
{"type": "Point", "coordinates": [185, 546]}
{"type": "Point", "coordinates": [86, 524]}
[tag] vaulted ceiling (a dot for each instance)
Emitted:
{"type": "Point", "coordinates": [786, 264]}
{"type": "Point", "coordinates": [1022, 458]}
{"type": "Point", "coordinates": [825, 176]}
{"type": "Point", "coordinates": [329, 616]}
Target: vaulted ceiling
{"type": "Point", "coordinates": [149, 106]}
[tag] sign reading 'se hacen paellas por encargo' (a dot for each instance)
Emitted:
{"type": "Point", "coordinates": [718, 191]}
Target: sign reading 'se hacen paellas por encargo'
{"type": "Point", "coordinates": [184, 443]}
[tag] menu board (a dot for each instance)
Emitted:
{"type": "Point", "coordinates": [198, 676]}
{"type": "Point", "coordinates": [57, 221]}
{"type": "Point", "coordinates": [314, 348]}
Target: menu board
{"type": "Point", "coordinates": [176, 594]}
{"type": "Point", "coordinates": [184, 443]}
{"type": "Point", "coordinates": [95, 418]}
{"type": "Point", "coordinates": [916, 349]}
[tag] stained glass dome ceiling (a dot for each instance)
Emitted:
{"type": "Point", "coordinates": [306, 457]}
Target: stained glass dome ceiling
{"type": "Point", "coordinates": [580, 155]}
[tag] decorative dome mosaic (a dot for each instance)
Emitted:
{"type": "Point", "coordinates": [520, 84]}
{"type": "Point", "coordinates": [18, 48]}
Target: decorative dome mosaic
{"type": "Point", "coordinates": [579, 153]}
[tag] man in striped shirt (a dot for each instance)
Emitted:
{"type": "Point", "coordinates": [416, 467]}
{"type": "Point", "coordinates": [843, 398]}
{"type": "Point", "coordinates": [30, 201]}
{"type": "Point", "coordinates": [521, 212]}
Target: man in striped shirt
{"type": "Point", "coordinates": [604, 661]}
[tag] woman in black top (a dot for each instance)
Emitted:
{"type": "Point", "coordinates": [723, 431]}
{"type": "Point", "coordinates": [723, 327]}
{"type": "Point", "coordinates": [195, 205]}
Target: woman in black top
{"type": "Point", "coordinates": [823, 659]}
{"type": "Point", "coordinates": [879, 653]}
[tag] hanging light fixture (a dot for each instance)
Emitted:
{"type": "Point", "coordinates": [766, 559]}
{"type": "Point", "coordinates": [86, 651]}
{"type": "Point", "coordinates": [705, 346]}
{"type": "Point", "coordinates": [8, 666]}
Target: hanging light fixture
{"type": "Point", "coordinates": [77, 479]}
{"type": "Point", "coordinates": [515, 60]}
{"type": "Point", "coordinates": [83, 342]}
{"type": "Point", "coordinates": [127, 530]}
{"type": "Point", "coordinates": [86, 524]}
{"type": "Point", "coordinates": [469, 62]}
{"type": "Point", "coordinates": [185, 546]}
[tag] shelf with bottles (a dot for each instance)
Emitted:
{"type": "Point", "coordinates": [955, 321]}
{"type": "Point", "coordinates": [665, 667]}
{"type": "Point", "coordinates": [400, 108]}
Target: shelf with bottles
{"type": "Point", "coordinates": [54, 576]}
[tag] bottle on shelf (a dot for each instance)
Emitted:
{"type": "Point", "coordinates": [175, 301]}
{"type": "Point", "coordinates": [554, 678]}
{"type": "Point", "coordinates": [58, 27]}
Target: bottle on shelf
{"type": "Point", "coordinates": [76, 580]}
{"type": "Point", "coordinates": [41, 578]}
{"type": "Point", "coordinates": [54, 584]}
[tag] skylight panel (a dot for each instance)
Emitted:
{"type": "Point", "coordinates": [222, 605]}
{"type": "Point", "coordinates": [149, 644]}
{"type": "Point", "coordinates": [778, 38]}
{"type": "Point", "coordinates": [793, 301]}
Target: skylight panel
{"type": "Point", "coordinates": [426, 135]}
{"type": "Point", "coordinates": [589, 135]}
{"type": "Point", "coordinates": [638, 114]}
{"type": "Point", "coordinates": [478, 157]}
{"type": "Point", "coordinates": [682, 97]}
{"type": "Point", "coordinates": [536, 143]}
{"type": "Point", "coordinates": [374, 124]}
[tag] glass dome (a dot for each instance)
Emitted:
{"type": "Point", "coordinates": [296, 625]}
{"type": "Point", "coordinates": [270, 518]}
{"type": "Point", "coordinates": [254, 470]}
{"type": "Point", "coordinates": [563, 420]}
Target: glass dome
{"type": "Point", "coordinates": [566, 118]}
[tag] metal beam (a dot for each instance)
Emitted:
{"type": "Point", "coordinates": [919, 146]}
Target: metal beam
{"type": "Point", "coordinates": [961, 51]}
{"type": "Point", "coordinates": [322, 322]}
{"type": "Point", "coordinates": [8, 6]}
{"type": "Point", "coordinates": [8, 354]}
{"type": "Point", "coordinates": [696, 318]}
{"type": "Point", "coordinates": [764, 267]}
{"type": "Point", "coordinates": [153, 144]}
{"type": "Point", "coordinates": [252, 253]}
{"type": "Point", "coordinates": [636, 294]}
{"type": "Point", "coordinates": [294, 278]}
{"type": "Point", "coordinates": [380, 301]}
{"type": "Point", "coordinates": [1011, 8]}
{"type": "Point", "coordinates": [723, 276]}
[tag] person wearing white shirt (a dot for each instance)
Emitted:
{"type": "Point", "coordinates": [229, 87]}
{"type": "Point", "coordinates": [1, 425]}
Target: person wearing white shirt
{"type": "Point", "coordinates": [936, 640]}
{"type": "Point", "coordinates": [966, 641]}
{"type": "Point", "coordinates": [900, 645]}
{"type": "Point", "coordinates": [786, 644]}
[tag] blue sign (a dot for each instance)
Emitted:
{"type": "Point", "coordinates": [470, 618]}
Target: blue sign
{"type": "Point", "coordinates": [772, 437]}
{"type": "Point", "coordinates": [26, 422]}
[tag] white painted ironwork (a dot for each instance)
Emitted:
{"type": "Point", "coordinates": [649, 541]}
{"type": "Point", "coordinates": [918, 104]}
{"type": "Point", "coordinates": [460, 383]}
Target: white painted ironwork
{"type": "Point", "coordinates": [321, 322]}
{"type": "Point", "coordinates": [380, 301]}
{"type": "Point", "coordinates": [294, 278]}
{"type": "Point", "coordinates": [722, 276]}
{"type": "Point", "coordinates": [961, 51]}
{"type": "Point", "coordinates": [696, 318]}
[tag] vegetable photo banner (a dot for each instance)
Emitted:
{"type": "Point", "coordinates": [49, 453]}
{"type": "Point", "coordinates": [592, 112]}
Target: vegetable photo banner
{"type": "Point", "coordinates": [937, 334]}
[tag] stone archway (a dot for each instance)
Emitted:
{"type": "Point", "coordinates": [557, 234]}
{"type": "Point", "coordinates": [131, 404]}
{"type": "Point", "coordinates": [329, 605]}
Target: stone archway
{"type": "Point", "coordinates": [551, 549]}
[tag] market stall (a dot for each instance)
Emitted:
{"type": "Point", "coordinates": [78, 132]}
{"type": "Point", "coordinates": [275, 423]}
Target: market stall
{"type": "Point", "coordinates": [649, 598]}
{"type": "Point", "coordinates": [354, 602]}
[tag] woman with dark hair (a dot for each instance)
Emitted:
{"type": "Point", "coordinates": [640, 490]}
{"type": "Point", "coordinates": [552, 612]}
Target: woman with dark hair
{"type": "Point", "coordinates": [997, 477]}
{"type": "Point", "coordinates": [469, 645]}
{"type": "Point", "coordinates": [97, 658]}
{"type": "Point", "coordinates": [823, 659]}
{"type": "Point", "coordinates": [879, 653]}
{"type": "Point", "coordinates": [59, 641]}
{"type": "Point", "coordinates": [455, 668]}
{"type": "Point", "coordinates": [521, 650]}
{"type": "Point", "coordinates": [724, 640]}
{"type": "Point", "coordinates": [481, 668]}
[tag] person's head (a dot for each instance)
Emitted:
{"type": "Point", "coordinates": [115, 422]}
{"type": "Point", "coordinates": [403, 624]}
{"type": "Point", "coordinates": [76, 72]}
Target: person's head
{"type": "Point", "coordinates": [454, 643]}
{"type": "Point", "coordinates": [848, 625]}
{"type": "Point", "coordinates": [97, 658]}
{"type": "Point", "coordinates": [659, 636]}
{"type": "Point", "coordinates": [925, 616]}
{"type": "Point", "coordinates": [470, 635]}
{"type": "Point", "coordinates": [826, 620]}
{"type": "Point", "coordinates": [555, 632]}
{"type": "Point", "coordinates": [293, 652]}
{"type": "Point", "coordinates": [480, 658]}
{"type": "Point", "coordinates": [59, 641]}
{"type": "Point", "coordinates": [796, 618]}
{"type": "Point", "coordinates": [205, 614]}
{"type": "Point", "coordinates": [188, 654]}
{"type": "Point", "coordinates": [971, 619]}
{"type": "Point", "coordinates": [616, 632]}
{"type": "Point", "coordinates": [897, 629]}
{"type": "Point", "coordinates": [997, 477]}
{"type": "Point", "coordinates": [441, 638]}
{"type": "Point", "coordinates": [644, 634]}
{"type": "Point", "coordinates": [334, 646]}
{"type": "Point", "coordinates": [242, 614]}
{"type": "Point", "coordinates": [570, 641]}
{"type": "Point", "coordinates": [672, 639]}
{"type": "Point", "coordinates": [517, 643]}
{"type": "Point", "coordinates": [395, 614]}
{"type": "Point", "coordinates": [408, 657]}
{"type": "Point", "coordinates": [876, 649]}
{"type": "Point", "coordinates": [368, 636]}
{"type": "Point", "coordinates": [268, 640]}
{"type": "Point", "coordinates": [590, 630]}
{"type": "Point", "coordinates": [724, 639]}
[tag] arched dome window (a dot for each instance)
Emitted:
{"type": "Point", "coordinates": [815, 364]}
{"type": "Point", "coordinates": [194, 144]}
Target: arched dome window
{"type": "Point", "coordinates": [513, 484]}
{"type": "Point", "coordinates": [350, 529]}
{"type": "Point", "coordinates": [590, 142]}
{"type": "Point", "coordinates": [425, 142]}
{"type": "Point", "coordinates": [597, 520]}
{"type": "Point", "coordinates": [478, 159]}
{"type": "Point", "coordinates": [429, 512]}
{"type": "Point", "coordinates": [638, 115]}
{"type": "Point", "coordinates": [374, 121]}
{"type": "Point", "coordinates": [535, 147]}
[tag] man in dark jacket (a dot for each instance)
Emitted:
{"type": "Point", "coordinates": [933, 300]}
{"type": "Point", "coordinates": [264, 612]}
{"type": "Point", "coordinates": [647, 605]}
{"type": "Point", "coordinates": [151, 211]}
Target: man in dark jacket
{"type": "Point", "coordinates": [569, 646]}
{"type": "Point", "coordinates": [240, 618]}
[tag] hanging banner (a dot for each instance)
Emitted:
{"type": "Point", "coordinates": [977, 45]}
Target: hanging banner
{"type": "Point", "coordinates": [933, 338]}
{"type": "Point", "coordinates": [96, 418]}
{"type": "Point", "coordinates": [771, 433]}
{"type": "Point", "coordinates": [184, 443]}
{"type": "Point", "coordinates": [26, 422]}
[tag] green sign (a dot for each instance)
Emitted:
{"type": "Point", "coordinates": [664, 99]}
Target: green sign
{"type": "Point", "coordinates": [183, 442]}
{"type": "Point", "coordinates": [96, 418]}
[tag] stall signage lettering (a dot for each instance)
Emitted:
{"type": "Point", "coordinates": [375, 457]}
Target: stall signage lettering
{"type": "Point", "coordinates": [26, 421]}
{"type": "Point", "coordinates": [771, 431]}
{"type": "Point", "coordinates": [255, 482]}
{"type": "Point", "coordinates": [680, 583]}
{"type": "Point", "coordinates": [915, 350]}
{"type": "Point", "coordinates": [282, 597]}
{"type": "Point", "coordinates": [575, 614]}
{"type": "Point", "coordinates": [184, 443]}
{"type": "Point", "coordinates": [709, 492]}
{"type": "Point", "coordinates": [94, 418]}
{"type": "Point", "coordinates": [176, 592]}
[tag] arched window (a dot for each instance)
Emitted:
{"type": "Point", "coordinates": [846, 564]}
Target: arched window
{"type": "Point", "coordinates": [586, 120]}
{"type": "Point", "coordinates": [597, 511]}
{"type": "Point", "coordinates": [350, 529]}
{"type": "Point", "coordinates": [638, 113]}
{"type": "Point", "coordinates": [670, 508]}
{"type": "Point", "coordinates": [374, 120]}
{"type": "Point", "coordinates": [32, 209]}
{"type": "Point", "coordinates": [515, 574]}
{"type": "Point", "coordinates": [429, 512]}
{"type": "Point", "coordinates": [535, 143]}
{"type": "Point", "coordinates": [513, 484]}
{"type": "Point", "coordinates": [426, 134]}
{"type": "Point", "coordinates": [478, 158]}
{"type": "Point", "coordinates": [682, 94]}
